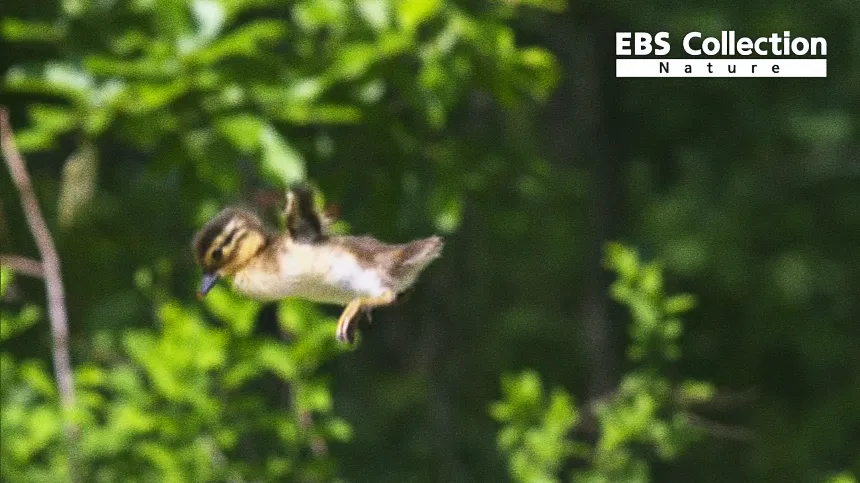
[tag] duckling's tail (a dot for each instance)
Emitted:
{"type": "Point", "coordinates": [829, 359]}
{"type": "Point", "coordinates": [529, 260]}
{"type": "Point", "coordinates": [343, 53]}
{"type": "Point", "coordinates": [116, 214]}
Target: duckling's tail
{"type": "Point", "coordinates": [415, 257]}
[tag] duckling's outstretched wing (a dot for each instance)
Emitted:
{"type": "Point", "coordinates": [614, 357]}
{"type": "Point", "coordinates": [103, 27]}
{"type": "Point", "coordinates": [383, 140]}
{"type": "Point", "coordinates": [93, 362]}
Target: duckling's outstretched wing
{"type": "Point", "coordinates": [304, 223]}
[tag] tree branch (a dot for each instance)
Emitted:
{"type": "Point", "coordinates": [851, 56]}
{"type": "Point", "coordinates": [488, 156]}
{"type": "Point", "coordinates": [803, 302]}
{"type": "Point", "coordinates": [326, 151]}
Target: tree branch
{"type": "Point", "coordinates": [590, 425]}
{"type": "Point", "coordinates": [23, 265]}
{"type": "Point", "coordinates": [51, 271]}
{"type": "Point", "coordinates": [721, 430]}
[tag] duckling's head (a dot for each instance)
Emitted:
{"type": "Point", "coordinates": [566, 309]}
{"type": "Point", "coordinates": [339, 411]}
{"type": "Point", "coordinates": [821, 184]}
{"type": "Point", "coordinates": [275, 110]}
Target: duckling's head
{"type": "Point", "coordinates": [226, 244]}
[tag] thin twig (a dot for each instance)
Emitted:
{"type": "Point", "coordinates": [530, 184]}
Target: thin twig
{"type": "Point", "coordinates": [590, 425]}
{"type": "Point", "coordinates": [721, 400]}
{"type": "Point", "coordinates": [721, 430]}
{"type": "Point", "coordinates": [52, 274]}
{"type": "Point", "coordinates": [319, 448]}
{"type": "Point", "coordinates": [23, 265]}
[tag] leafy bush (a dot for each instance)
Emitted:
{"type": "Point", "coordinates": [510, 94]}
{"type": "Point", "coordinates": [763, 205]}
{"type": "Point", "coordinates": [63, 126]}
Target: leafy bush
{"type": "Point", "coordinates": [174, 108]}
{"type": "Point", "coordinates": [189, 401]}
{"type": "Point", "coordinates": [202, 82]}
{"type": "Point", "coordinates": [647, 416]}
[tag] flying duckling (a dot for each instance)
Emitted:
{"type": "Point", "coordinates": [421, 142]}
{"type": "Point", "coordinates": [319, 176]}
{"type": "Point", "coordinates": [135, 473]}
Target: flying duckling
{"type": "Point", "coordinates": [358, 272]}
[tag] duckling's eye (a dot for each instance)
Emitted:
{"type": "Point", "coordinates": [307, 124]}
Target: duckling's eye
{"type": "Point", "coordinates": [216, 254]}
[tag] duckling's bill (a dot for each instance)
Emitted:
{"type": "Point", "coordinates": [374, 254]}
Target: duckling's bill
{"type": "Point", "coordinates": [209, 281]}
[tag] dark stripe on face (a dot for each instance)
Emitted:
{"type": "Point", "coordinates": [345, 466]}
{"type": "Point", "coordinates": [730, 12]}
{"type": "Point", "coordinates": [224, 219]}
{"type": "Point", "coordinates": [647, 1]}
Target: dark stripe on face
{"type": "Point", "coordinates": [229, 238]}
{"type": "Point", "coordinates": [214, 235]}
{"type": "Point", "coordinates": [204, 241]}
{"type": "Point", "coordinates": [231, 253]}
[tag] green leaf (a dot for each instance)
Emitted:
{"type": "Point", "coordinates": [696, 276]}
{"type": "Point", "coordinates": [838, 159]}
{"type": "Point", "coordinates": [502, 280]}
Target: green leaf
{"type": "Point", "coordinates": [297, 316]}
{"type": "Point", "coordinates": [827, 127]}
{"type": "Point", "coordinates": [275, 358]}
{"type": "Point", "coordinates": [12, 325]}
{"type": "Point", "coordinates": [556, 6]}
{"type": "Point", "coordinates": [240, 313]}
{"type": "Point", "coordinates": [210, 16]}
{"type": "Point", "coordinates": [697, 391]}
{"type": "Point", "coordinates": [542, 72]}
{"type": "Point", "coordinates": [49, 123]}
{"type": "Point", "coordinates": [353, 61]}
{"type": "Point", "coordinates": [622, 260]}
{"type": "Point", "coordinates": [281, 162]}
{"type": "Point", "coordinates": [376, 13]}
{"type": "Point", "coordinates": [314, 396]}
{"type": "Point", "coordinates": [142, 97]}
{"type": "Point", "coordinates": [244, 131]}
{"type": "Point", "coordinates": [247, 41]}
{"type": "Point", "coordinates": [78, 184]}
{"type": "Point", "coordinates": [6, 277]}
{"type": "Point", "coordinates": [18, 30]}
{"type": "Point", "coordinates": [90, 376]}
{"type": "Point", "coordinates": [34, 374]}
{"type": "Point", "coordinates": [314, 15]}
{"type": "Point", "coordinates": [339, 430]}
{"type": "Point", "coordinates": [561, 414]}
{"type": "Point", "coordinates": [651, 279]}
{"type": "Point", "coordinates": [54, 79]}
{"type": "Point", "coordinates": [678, 304]}
{"type": "Point", "coordinates": [844, 477]}
{"type": "Point", "coordinates": [55, 119]}
{"type": "Point", "coordinates": [412, 13]}
{"type": "Point", "coordinates": [447, 208]}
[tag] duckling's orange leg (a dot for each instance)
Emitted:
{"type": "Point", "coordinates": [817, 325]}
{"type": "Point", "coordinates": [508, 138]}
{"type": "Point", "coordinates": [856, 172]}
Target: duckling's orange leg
{"type": "Point", "coordinates": [345, 324]}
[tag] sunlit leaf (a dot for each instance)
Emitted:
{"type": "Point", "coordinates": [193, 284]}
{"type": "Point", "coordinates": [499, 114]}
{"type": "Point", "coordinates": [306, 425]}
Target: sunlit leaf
{"type": "Point", "coordinates": [376, 13]}
{"type": "Point", "coordinates": [244, 131]}
{"type": "Point", "coordinates": [78, 184]}
{"type": "Point", "coordinates": [697, 391]}
{"type": "Point", "coordinates": [19, 30]}
{"type": "Point", "coordinates": [447, 209]}
{"type": "Point", "coordinates": [246, 41]}
{"type": "Point", "coordinates": [14, 324]}
{"type": "Point", "coordinates": [6, 277]}
{"type": "Point", "coordinates": [411, 13]}
{"type": "Point", "coordinates": [210, 17]}
{"type": "Point", "coordinates": [280, 161]}
{"type": "Point", "coordinates": [239, 313]}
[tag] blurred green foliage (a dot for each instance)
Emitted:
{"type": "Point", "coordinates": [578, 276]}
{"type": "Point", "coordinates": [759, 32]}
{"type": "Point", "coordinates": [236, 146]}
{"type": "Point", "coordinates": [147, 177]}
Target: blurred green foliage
{"type": "Point", "coordinates": [647, 415]}
{"type": "Point", "coordinates": [203, 83]}
{"type": "Point", "coordinates": [182, 402]}
{"type": "Point", "coordinates": [195, 87]}
{"type": "Point", "coordinates": [13, 323]}
{"type": "Point", "coordinates": [498, 124]}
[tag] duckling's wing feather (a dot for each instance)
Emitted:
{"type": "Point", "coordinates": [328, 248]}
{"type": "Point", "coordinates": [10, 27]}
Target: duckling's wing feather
{"type": "Point", "coordinates": [304, 223]}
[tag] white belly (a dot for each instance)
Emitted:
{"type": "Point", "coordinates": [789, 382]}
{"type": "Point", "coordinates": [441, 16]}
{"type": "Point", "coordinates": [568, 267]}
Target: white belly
{"type": "Point", "coordinates": [312, 274]}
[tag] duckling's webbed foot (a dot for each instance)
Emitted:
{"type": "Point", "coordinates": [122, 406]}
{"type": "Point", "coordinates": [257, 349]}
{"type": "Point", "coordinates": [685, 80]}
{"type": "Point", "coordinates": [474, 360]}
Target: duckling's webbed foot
{"type": "Point", "coordinates": [348, 322]}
